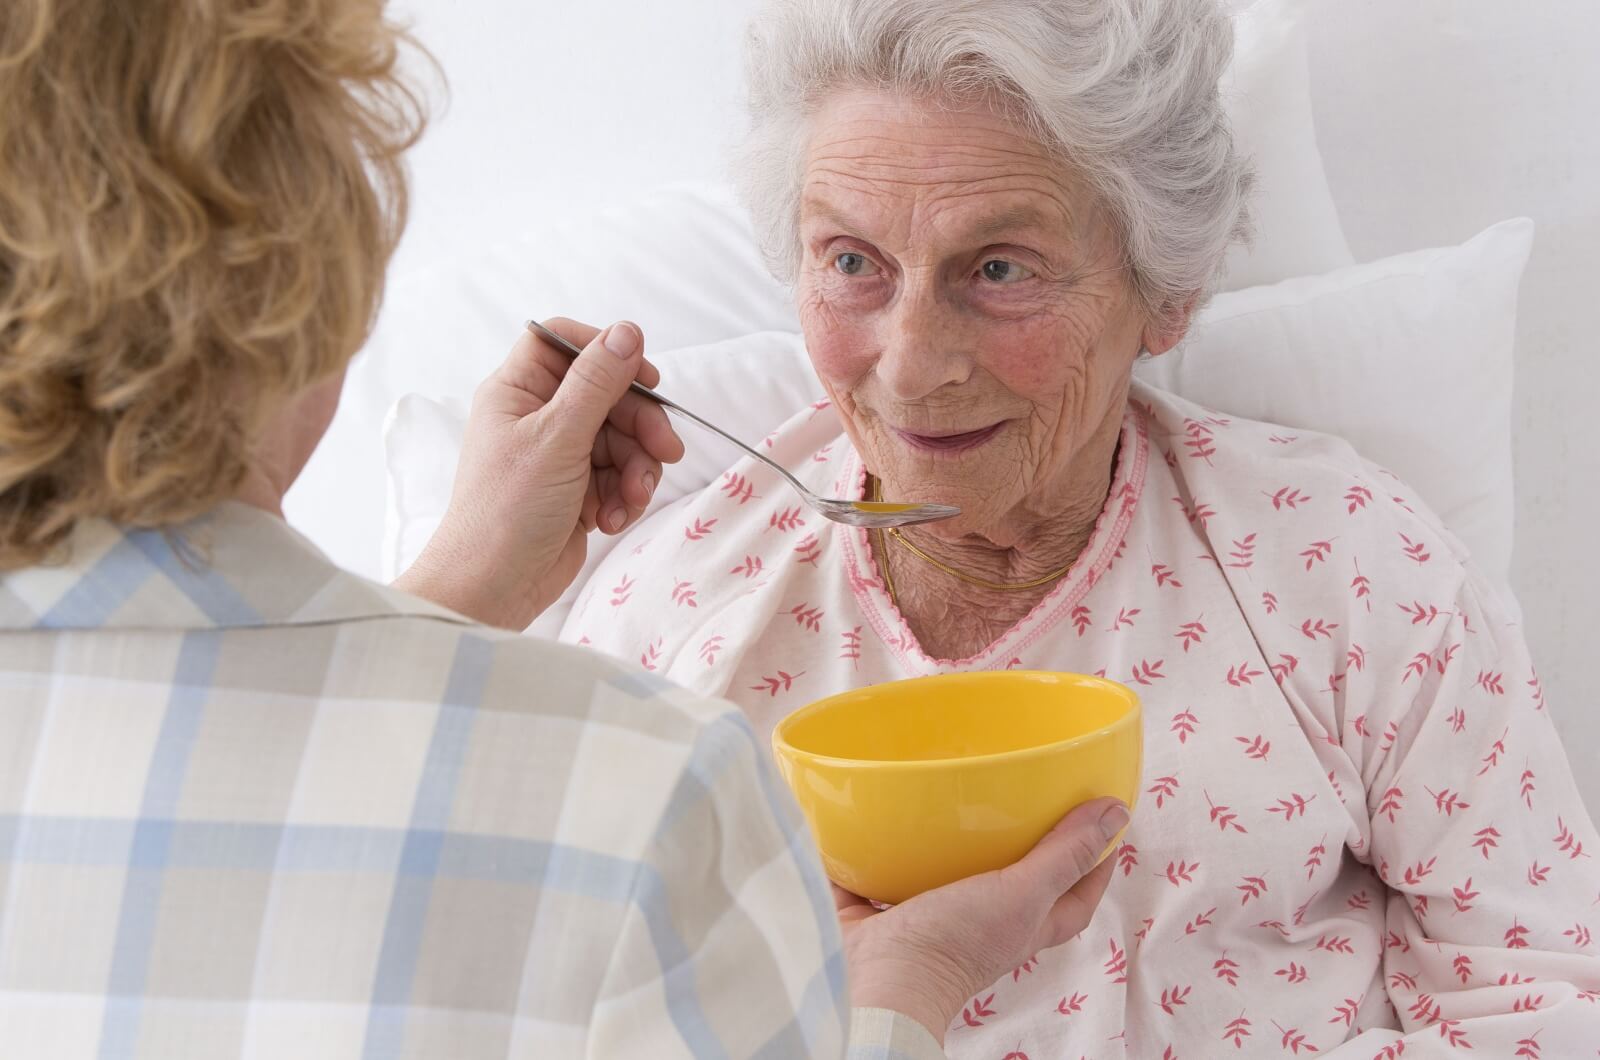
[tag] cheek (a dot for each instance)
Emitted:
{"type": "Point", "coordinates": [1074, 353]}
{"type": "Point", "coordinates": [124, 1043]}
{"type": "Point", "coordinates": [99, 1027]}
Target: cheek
{"type": "Point", "coordinates": [843, 348]}
{"type": "Point", "coordinates": [1035, 360]}
{"type": "Point", "coordinates": [1076, 353]}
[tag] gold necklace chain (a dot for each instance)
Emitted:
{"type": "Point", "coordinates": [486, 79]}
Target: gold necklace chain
{"type": "Point", "coordinates": [904, 542]}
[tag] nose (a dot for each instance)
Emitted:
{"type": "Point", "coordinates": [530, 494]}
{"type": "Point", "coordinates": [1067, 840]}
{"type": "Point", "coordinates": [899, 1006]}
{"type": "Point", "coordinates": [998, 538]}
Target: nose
{"type": "Point", "coordinates": [923, 344]}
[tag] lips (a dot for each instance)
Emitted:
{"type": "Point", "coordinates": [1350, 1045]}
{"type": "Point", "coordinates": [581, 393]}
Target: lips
{"type": "Point", "coordinates": [949, 443]}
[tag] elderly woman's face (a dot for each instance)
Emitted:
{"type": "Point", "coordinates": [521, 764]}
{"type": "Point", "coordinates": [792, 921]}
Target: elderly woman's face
{"type": "Point", "coordinates": [964, 302]}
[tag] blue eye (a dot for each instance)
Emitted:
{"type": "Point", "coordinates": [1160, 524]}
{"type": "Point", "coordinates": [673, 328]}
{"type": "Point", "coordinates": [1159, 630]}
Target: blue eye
{"type": "Point", "coordinates": [851, 263]}
{"type": "Point", "coordinates": [998, 270]}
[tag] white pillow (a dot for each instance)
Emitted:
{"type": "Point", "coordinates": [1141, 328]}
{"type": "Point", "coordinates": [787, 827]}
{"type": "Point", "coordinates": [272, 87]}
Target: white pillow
{"type": "Point", "coordinates": [681, 262]}
{"type": "Point", "coordinates": [1409, 359]}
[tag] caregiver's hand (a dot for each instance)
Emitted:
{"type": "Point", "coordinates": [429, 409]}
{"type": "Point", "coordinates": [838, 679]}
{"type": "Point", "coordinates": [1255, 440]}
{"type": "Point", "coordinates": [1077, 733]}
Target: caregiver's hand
{"type": "Point", "coordinates": [927, 957]}
{"type": "Point", "coordinates": [554, 448]}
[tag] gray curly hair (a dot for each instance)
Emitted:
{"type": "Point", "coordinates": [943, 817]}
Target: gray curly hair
{"type": "Point", "coordinates": [1123, 91]}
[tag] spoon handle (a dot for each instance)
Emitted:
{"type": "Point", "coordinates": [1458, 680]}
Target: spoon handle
{"type": "Point", "coordinates": [667, 403]}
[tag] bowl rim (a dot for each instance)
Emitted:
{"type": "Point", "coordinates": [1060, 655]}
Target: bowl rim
{"type": "Point", "coordinates": [782, 748]}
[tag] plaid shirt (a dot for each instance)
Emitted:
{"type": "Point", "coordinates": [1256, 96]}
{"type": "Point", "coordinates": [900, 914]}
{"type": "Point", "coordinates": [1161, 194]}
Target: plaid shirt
{"type": "Point", "coordinates": [253, 806]}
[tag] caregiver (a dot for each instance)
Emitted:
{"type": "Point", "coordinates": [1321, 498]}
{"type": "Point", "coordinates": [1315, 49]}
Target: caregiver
{"type": "Point", "coordinates": [253, 805]}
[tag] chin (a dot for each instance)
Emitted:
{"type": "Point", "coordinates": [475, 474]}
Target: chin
{"type": "Point", "coordinates": [979, 506]}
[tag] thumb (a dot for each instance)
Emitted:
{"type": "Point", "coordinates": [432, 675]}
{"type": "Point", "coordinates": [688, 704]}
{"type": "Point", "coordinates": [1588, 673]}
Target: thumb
{"type": "Point", "coordinates": [1071, 849]}
{"type": "Point", "coordinates": [595, 382]}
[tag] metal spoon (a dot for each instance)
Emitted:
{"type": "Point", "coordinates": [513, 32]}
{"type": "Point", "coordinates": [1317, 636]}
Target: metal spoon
{"type": "Point", "coordinates": [876, 515]}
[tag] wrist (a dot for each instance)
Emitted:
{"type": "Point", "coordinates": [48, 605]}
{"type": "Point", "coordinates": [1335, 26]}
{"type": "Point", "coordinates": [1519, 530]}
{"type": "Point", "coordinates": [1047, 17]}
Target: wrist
{"type": "Point", "coordinates": [451, 577]}
{"type": "Point", "coordinates": [916, 990]}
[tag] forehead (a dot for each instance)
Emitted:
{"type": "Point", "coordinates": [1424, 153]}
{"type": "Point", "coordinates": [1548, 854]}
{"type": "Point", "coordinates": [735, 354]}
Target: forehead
{"type": "Point", "coordinates": [877, 159]}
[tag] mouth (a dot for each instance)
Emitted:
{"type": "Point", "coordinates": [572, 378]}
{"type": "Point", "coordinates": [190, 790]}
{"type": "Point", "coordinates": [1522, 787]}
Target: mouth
{"type": "Point", "coordinates": [958, 442]}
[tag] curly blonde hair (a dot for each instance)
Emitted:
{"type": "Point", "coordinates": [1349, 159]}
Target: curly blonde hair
{"type": "Point", "coordinates": [198, 200]}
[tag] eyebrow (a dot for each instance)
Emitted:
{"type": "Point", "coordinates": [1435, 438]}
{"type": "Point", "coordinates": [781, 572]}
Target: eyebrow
{"type": "Point", "coordinates": [984, 231]}
{"type": "Point", "coordinates": [1017, 217]}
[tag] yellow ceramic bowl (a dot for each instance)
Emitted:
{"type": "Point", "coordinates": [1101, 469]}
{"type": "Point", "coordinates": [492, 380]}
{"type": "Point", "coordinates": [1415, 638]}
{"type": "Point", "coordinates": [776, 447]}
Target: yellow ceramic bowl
{"type": "Point", "coordinates": [914, 784]}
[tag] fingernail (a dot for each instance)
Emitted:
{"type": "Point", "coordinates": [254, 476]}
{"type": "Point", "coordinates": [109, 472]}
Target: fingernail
{"type": "Point", "coordinates": [615, 517]}
{"type": "Point", "coordinates": [649, 483]}
{"type": "Point", "coordinates": [1113, 821]}
{"type": "Point", "coordinates": [622, 339]}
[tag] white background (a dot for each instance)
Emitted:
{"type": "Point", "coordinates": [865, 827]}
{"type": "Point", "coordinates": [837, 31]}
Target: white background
{"type": "Point", "coordinates": [1436, 118]}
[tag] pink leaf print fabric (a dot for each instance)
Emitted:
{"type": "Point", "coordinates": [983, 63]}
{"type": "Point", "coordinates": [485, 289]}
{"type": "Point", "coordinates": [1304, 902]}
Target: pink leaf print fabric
{"type": "Point", "coordinates": [1358, 836]}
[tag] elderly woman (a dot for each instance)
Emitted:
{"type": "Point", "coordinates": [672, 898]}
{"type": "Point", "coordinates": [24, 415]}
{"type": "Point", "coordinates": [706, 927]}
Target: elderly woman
{"type": "Point", "coordinates": [252, 805]}
{"type": "Point", "coordinates": [1360, 836]}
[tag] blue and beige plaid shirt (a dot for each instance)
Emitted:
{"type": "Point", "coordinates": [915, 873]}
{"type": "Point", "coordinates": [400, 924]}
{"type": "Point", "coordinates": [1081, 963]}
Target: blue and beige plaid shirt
{"type": "Point", "coordinates": [253, 806]}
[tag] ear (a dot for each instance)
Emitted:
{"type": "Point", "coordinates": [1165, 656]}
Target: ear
{"type": "Point", "coordinates": [1169, 325]}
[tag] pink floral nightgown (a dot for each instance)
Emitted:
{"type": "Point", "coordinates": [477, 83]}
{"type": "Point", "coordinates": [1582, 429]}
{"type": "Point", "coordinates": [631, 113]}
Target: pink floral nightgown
{"type": "Point", "coordinates": [1359, 835]}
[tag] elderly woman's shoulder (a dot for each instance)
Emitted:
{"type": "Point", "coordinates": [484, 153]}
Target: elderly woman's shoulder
{"type": "Point", "coordinates": [1271, 480]}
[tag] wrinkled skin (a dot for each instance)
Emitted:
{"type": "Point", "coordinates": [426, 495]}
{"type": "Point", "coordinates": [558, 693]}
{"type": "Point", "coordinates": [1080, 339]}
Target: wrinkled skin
{"type": "Point", "coordinates": [956, 277]}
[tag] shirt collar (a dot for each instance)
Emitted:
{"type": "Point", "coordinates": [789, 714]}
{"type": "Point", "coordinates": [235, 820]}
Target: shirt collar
{"type": "Point", "coordinates": [236, 567]}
